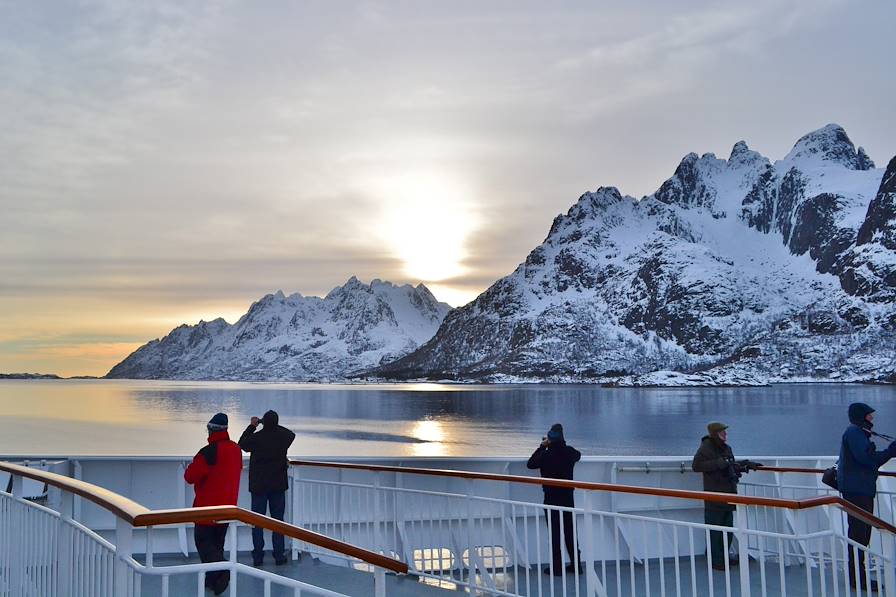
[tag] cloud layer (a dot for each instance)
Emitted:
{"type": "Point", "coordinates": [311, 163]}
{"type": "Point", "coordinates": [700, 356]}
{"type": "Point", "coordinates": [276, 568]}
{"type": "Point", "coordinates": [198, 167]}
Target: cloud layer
{"type": "Point", "coordinates": [162, 161]}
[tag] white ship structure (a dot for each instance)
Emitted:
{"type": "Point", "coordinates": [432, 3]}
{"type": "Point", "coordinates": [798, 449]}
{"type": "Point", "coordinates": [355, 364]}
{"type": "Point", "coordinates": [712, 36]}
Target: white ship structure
{"type": "Point", "coordinates": [104, 525]}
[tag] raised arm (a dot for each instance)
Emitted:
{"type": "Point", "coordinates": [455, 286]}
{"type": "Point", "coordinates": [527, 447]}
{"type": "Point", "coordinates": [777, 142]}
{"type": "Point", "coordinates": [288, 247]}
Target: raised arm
{"type": "Point", "coordinates": [537, 457]}
{"type": "Point", "coordinates": [864, 451]}
{"type": "Point", "coordinates": [247, 439]}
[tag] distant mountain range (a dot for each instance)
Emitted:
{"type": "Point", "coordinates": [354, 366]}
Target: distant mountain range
{"type": "Point", "coordinates": [354, 328]}
{"type": "Point", "coordinates": [29, 376]}
{"type": "Point", "coordinates": [736, 271]}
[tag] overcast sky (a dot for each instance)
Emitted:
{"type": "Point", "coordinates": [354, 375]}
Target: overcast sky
{"type": "Point", "coordinates": [165, 162]}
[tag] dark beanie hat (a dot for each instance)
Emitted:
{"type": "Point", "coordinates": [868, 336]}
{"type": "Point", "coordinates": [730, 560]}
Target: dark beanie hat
{"type": "Point", "coordinates": [217, 423]}
{"type": "Point", "coordinates": [270, 419]}
{"type": "Point", "coordinates": [556, 432]}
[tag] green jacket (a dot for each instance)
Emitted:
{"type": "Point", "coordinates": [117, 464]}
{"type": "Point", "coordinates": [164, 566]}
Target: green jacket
{"type": "Point", "coordinates": [715, 460]}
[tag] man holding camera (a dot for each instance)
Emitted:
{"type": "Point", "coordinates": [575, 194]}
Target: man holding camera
{"type": "Point", "coordinates": [556, 459]}
{"type": "Point", "coordinates": [268, 482]}
{"type": "Point", "coordinates": [721, 472]}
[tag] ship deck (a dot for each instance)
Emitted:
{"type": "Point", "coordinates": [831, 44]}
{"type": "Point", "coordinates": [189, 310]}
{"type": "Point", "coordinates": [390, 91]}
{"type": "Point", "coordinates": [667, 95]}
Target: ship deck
{"type": "Point", "coordinates": [474, 526]}
{"type": "Point", "coordinates": [529, 582]}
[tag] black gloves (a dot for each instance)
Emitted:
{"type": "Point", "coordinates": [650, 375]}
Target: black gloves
{"type": "Point", "coordinates": [748, 465]}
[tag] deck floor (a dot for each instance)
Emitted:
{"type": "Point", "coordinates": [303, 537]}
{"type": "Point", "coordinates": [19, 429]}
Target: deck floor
{"type": "Point", "coordinates": [632, 581]}
{"type": "Point", "coordinates": [339, 578]}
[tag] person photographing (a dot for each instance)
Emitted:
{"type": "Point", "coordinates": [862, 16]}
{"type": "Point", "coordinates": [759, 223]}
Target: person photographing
{"type": "Point", "coordinates": [268, 478]}
{"type": "Point", "coordinates": [857, 472]}
{"type": "Point", "coordinates": [556, 460]}
{"type": "Point", "coordinates": [721, 473]}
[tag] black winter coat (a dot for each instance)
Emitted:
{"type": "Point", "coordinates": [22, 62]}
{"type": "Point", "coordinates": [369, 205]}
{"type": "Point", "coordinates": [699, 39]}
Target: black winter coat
{"type": "Point", "coordinates": [715, 460]}
{"type": "Point", "coordinates": [556, 462]}
{"type": "Point", "coordinates": [268, 464]}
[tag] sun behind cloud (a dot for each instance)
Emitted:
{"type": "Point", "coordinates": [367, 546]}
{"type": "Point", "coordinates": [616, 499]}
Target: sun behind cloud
{"type": "Point", "coordinates": [426, 220]}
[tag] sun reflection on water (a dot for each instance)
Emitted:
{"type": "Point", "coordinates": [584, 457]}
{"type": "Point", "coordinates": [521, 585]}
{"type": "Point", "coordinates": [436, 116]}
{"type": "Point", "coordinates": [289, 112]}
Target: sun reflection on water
{"type": "Point", "coordinates": [433, 435]}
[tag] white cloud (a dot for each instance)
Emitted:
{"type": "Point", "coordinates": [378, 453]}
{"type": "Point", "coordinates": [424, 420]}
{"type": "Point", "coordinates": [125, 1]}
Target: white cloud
{"type": "Point", "coordinates": [165, 152]}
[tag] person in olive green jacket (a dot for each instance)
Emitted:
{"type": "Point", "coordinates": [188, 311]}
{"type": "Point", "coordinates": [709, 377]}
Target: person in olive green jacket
{"type": "Point", "coordinates": [721, 473]}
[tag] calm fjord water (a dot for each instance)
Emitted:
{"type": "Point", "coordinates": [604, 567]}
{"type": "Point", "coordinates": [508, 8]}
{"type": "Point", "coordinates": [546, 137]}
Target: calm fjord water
{"type": "Point", "coordinates": [83, 417]}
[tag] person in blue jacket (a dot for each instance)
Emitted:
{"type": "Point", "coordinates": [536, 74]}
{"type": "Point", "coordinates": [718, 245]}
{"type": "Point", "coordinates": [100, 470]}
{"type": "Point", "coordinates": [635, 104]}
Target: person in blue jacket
{"type": "Point", "coordinates": [857, 479]}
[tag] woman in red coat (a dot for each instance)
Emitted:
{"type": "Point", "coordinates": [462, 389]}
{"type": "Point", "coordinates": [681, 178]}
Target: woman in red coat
{"type": "Point", "coordinates": [215, 475]}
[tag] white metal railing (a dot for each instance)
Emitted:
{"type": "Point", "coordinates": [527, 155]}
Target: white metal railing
{"type": "Point", "coordinates": [471, 534]}
{"type": "Point", "coordinates": [44, 551]}
{"type": "Point", "coordinates": [425, 522]}
{"type": "Point", "coordinates": [44, 554]}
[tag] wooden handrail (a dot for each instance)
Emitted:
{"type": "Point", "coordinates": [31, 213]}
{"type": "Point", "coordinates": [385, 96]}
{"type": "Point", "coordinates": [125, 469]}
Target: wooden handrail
{"type": "Point", "coordinates": [118, 505]}
{"type": "Point", "coordinates": [819, 471]}
{"type": "Point", "coordinates": [138, 515]}
{"type": "Point", "coordinates": [689, 494]}
{"type": "Point", "coordinates": [225, 513]}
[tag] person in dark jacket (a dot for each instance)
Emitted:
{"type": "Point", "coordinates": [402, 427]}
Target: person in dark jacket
{"type": "Point", "coordinates": [857, 479]}
{"type": "Point", "coordinates": [268, 480]}
{"type": "Point", "coordinates": [215, 475]}
{"type": "Point", "coordinates": [721, 473]}
{"type": "Point", "coordinates": [556, 460]}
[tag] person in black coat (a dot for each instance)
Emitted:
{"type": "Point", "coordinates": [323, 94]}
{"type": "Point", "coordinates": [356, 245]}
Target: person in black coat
{"type": "Point", "coordinates": [556, 460]}
{"type": "Point", "coordinates": [268, 479]}
{"type": "Point", "coordinates": [721, 473]}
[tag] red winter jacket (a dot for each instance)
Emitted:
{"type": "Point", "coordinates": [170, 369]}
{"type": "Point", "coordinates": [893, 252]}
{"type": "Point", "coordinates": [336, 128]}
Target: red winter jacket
{"type": "Point", "coordinates": [215, 472]}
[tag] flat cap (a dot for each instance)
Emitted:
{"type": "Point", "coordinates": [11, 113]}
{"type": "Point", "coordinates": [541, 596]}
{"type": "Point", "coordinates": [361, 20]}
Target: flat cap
{"type": "Point", "coordinates": [716, 427]}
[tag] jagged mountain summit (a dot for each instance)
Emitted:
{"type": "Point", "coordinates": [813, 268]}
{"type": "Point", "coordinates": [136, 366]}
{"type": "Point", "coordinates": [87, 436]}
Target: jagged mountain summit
{"type": "Point", "coordinates": [296, 338]}
{"type": "Point", "coordinates": [735, 271]}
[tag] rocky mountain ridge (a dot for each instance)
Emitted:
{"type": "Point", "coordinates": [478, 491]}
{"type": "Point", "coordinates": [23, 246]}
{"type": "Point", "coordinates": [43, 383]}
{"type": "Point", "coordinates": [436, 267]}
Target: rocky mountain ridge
{"type": "Point", "coordinates": [734, 271]}
{"type": "Point", "coordinates": [296, 338]}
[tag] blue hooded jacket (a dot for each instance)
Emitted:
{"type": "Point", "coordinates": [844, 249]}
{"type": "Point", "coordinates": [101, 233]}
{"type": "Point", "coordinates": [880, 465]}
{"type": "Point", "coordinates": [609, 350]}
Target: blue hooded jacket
{"type": "Point", "coordinates": [859, 458]}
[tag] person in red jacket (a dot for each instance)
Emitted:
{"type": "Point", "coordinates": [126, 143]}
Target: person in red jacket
{"type": "Point", "coordinates": [215, 475]}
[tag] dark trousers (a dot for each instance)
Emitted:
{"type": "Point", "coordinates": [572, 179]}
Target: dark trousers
{"type": "Point", "coordinates": [860, 532]}
{"type": "Point", "coordinates": [276, 501]}
{"type": "Point", "coordinates": [210, 545]}
{"type": "Point", "coordinates": [722, 518]}
{"type": "Point", "coordinates": [569, 537]}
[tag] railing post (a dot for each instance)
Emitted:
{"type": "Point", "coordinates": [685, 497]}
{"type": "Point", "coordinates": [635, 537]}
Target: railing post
{"type": "Point", "coordinates": [743, 551]}
{"type": "Point", "coordinates": [471, 557]}
{"type": "Point", "coordinates": [294, 478]}
{"type": "Point", "coordinates": [377, 535]}
{"type": "Point", "coordinates": [592, 583]}
{"type": "Point", "coordinates": [16, 558]}
{"type": "Point", "coordinates": [379, 582]}
{"type": "Point", "coordinates": [65, 544]}
{"type": "Point", "coordinates": [124, 538]}
{"type": "Point", "coordinates": [888, 544]}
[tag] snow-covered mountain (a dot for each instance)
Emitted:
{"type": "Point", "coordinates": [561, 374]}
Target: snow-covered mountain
{"type": "Point", "coordinates": [734, 271]}
{"type": "Point", "coordinates": [355, 327]}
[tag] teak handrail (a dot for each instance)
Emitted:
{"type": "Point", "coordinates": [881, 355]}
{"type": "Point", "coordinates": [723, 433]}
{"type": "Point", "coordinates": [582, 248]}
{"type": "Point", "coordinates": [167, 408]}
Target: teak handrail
{"type": "Point", "coordinates": [138, 515]}
{"type": "Point", "coordinates": [819, 471]}
{"type": "Point", "coordinates": [689, 494]}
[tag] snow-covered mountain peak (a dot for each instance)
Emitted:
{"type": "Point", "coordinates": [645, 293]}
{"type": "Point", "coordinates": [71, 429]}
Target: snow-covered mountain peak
{"type": "Point", "coordinates": [742, 156]}
{"type": "Point", "coordinates": [740, 148]}
{"type": "Point", "coordinates": [740, 269]}
{"type": "Point", "coordinates": [355, 327]}
{"type": "Point", "coordinates": [593, 202]}
{"type": "Point", "coordinates": [829, 144]}
{"type": "Point", "coordinates": [863, 162]}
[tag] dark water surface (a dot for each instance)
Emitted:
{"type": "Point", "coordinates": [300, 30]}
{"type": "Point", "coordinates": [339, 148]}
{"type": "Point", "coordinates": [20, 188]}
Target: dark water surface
{"type": "Point", "coordinates": [82, 417]}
